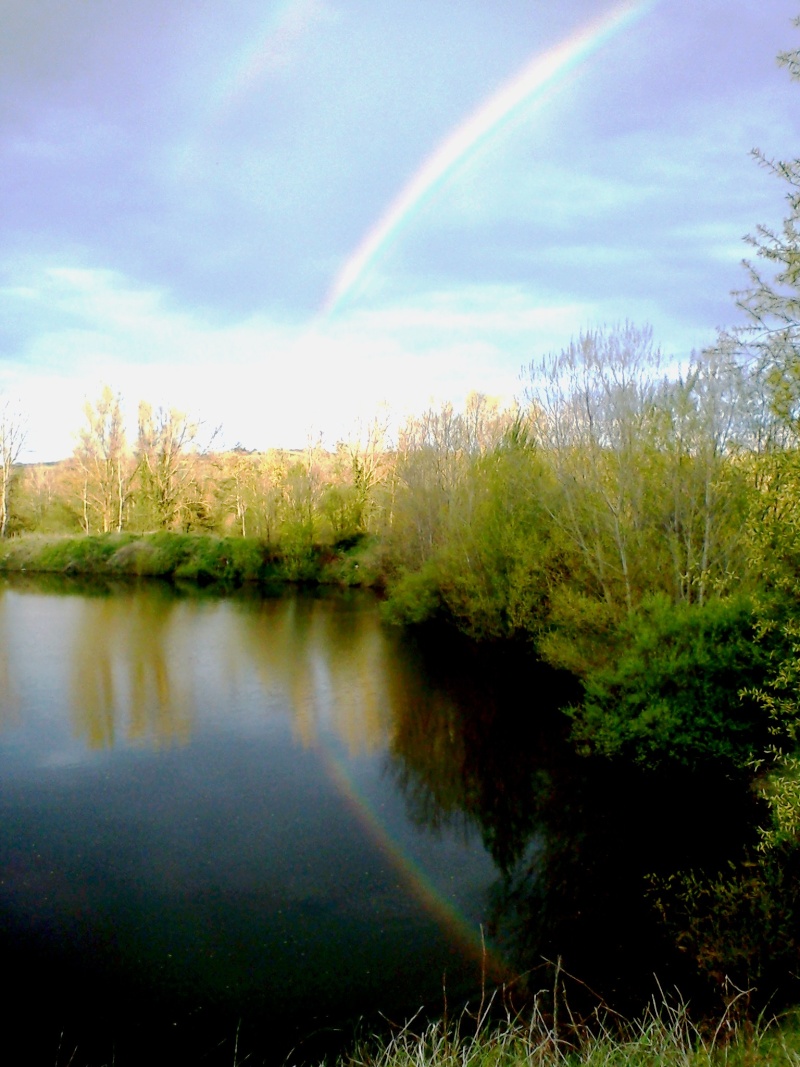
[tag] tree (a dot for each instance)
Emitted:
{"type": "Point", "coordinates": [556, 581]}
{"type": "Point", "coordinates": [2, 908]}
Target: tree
{"type": "Point", "coordinates": [105, 467]}
{"type": "Point", "coordinates": [673, 692]}
{"type": "Point", "coordinates": [164, 448]}
{"type": "Point", "coordinates": [468, 534]}
{"type": "Point", "coordinates": [708, 430]}
{"type": "Point", "coordinates": [435, 488]}
{"type": "Point", "coordinates": [771, 341]}
{"type": "Point", "coordinates": [269, 493]}
{"type": "Point", "coordinates": [772, 299]}
{"type": "Point", "coordinates": [367, 458]}
{"type": "Point", "coordinates": [12, 438]}
{"type": "Point", "coordinates": [595, 404]}
{"type": "Point", "coordinates": [303, 487]}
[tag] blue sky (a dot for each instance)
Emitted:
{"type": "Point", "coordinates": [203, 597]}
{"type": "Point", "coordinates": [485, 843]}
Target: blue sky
{"type": "Point", "coordinates": [182, 184]}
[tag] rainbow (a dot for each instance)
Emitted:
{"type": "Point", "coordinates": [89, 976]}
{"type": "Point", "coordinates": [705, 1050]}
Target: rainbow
{"type": "Point", "coordinates": [284, 22]}
{"type": "Point", "coordinates": [461, 931]}
{"type": "Point", "coordinates": [540, 74]}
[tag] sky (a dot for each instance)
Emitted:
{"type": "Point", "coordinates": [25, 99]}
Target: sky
{"type": "Point", "coordinates": [286, 217]}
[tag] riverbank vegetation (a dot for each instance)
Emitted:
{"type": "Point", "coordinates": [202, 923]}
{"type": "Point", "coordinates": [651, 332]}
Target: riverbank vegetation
{"type": "Point", "coordinates": [636, 528]}
{"type": "Point", "coordinates": [204, 559]}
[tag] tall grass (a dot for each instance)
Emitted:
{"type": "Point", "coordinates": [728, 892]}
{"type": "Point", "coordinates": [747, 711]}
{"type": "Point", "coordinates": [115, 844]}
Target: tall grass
{"type": "Point", "coordinates": [664, 1035]}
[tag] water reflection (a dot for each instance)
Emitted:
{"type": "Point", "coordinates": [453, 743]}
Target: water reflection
{"type": "Point", "coordinates": [327, 656]}
{"type": "Point", "coordinates": [141, 661]}
{"type": "Point", "coordinates": [264, 868]}
{"type": "Point", "coordinates": [9, 695]}
{"type": "Point", "coordinates": [126, 681]}
{"type": "Point", "coordinates": [484, 746]}
{"type": "Point", "coordinates": [282, 800]}
{"type": "Point", "coordinates": [578, 843]}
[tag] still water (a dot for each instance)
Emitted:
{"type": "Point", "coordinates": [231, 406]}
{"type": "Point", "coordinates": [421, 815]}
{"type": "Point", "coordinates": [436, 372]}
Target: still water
{"type": "Point", "coordinates": [259, 820]}
{"type": "Point", "coordinates": [204, 826]}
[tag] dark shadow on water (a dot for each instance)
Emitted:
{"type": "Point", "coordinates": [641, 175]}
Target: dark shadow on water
{"type": "Point", "coordinates": [600, 861]}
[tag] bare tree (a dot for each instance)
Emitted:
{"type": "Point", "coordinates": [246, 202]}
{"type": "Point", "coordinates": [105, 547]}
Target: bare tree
{"type": "Point", "coordinates": [595, 403]}
{"type": "Point", "coordinates": [12, 438]}
{"type": "Point", "coordinates": [105, 467]}
{"type": "Point", "coordinates": [164, 453]}
{"type": "Point", "coordinates": [707, 438]}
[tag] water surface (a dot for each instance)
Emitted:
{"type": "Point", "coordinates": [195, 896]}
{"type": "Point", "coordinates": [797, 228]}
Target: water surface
{"type": "Point", "coordinates": [260, 819]}
{"type": "Point", "coordinates": [201, 827]}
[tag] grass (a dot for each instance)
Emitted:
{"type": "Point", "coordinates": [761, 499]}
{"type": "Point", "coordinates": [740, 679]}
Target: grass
{"type": "Point", "coordinates": [203, 559]}
{"type": "Point", "coordinates": [663, 1036]}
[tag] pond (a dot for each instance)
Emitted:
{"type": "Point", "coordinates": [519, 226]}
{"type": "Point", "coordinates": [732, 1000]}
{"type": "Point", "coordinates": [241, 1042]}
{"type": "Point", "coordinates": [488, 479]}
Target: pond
{"type": "Point", "coordinates": [250, 822]}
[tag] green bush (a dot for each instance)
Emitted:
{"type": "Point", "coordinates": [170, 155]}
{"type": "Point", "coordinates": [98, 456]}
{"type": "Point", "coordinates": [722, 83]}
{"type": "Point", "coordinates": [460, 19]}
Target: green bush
{"type": "Point", "coordinates": [673, 690]}
{"type": "Point", "coordinates": [414, 598]}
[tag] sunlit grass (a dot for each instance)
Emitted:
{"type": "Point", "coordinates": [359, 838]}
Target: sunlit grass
{"type": "Point", "coordinates": [198, 558]}
{"type": "Point", "coordinates": [663, 1036]}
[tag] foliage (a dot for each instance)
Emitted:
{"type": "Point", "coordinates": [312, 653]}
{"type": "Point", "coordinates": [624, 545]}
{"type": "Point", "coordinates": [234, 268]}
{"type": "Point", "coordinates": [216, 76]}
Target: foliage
{"type": "Point", "coordinates": [80, 555]}
{"type": "Point", "coordinates": [355, 560]}
{"type": "Point", "coordinates": [164, 458]}
{"type": "Point", "coordinates": [594, 400]}
{"type": "Point", "coordinates": [199, 558]}
{"type": "Point", "coordinates": [471, 537]}
{"type": "Point", "coordinates": [583, 632]}
{"type": "Point", "coordinates": [772, 299]}
{"type": "Point", "coordinates": [781, 787]}
{"type": "Point", "coordinates": [672, 691]}
{"type": "Point", "coordinates": [771, 341]}
{"type": "Point", "coordinates": [740, 925]}
{"type": "Point", "coordinates": [43, 503]}
{"type": "Point", "coordinates": [645, 493]}
{"type": "Point", "coordinates": [415, 597]}
{"type": "Point", "coordinates": [777, 768]}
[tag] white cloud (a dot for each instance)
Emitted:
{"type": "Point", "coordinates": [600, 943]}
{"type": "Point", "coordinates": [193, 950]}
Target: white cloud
{"type": "Point", "coordinates": [266, 383]}
{"type": "Point", "coordinates": [269, 384]}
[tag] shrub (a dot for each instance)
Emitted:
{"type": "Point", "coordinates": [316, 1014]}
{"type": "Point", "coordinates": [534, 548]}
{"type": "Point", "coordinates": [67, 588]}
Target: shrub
{"type": "Point", "coordinates": [674, 689]}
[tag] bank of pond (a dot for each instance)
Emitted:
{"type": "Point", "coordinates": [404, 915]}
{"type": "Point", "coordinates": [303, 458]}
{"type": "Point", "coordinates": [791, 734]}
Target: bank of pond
{"type": "Point", "coordinates": [200, 559]}
{"type": "Point", "coordinates": [243, 817]}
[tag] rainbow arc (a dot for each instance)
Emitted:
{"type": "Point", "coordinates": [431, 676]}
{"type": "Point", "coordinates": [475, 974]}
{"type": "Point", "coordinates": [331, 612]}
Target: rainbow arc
{"type": "Point", "coordinates": [530, 86]}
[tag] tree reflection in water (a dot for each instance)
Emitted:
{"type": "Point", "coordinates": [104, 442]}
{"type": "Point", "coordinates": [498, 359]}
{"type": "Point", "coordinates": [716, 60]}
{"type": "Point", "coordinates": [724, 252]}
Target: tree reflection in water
{"type": "Point", "coordinates": [620, 874]}
{"type": "Point", "coordinates": [615, 872]}
{"type": "Point", "coordinates": [125, 675]}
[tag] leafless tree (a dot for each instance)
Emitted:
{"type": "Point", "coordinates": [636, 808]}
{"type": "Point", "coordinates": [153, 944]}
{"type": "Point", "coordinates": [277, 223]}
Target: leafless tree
{"type": "Point", "coordinates": [12, 438]}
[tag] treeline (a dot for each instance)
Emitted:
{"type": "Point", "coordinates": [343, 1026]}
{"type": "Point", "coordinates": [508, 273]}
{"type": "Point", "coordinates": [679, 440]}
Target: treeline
{"type": "Point", "coordinates": [617, 511]}
{"type": "Point", "coordinates": [165, 479]}
{"type": "Point", "coordinates": [619, 514]}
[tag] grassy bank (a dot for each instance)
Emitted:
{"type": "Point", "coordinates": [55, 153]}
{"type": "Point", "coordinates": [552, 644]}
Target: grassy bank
{"type": "Point", "coordinates": [200, 558]}
{"type": "Point", "coordinates": [667, 1038]}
